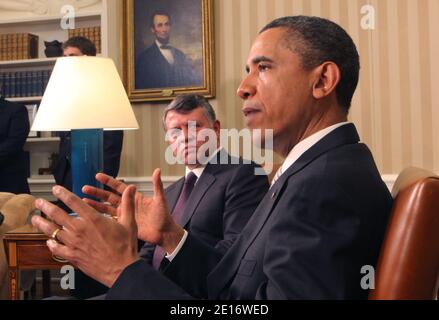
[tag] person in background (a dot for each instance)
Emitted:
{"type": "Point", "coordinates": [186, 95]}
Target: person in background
{"type": "Point", "coordinates": [14, 164]}
{"type": "Point", "coordinates": [79, 46]}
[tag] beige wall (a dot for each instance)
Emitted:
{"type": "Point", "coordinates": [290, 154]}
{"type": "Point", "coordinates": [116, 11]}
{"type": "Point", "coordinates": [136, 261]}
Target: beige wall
{"type": "Point", "coordinates": [396, 108]}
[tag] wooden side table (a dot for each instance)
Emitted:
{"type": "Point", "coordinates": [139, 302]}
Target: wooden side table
{"type": "Point", "coordinates": [26, 249]}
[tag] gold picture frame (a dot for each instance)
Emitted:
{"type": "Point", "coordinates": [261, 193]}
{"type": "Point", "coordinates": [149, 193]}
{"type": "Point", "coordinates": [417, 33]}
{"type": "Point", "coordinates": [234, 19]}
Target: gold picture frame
{"type": "Point", "coordinates": [193, 51]}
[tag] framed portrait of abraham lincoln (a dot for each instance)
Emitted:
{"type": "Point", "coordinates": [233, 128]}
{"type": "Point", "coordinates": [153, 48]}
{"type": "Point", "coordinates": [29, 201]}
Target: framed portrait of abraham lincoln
{"type": "Point", "coordinates": [167, 48]}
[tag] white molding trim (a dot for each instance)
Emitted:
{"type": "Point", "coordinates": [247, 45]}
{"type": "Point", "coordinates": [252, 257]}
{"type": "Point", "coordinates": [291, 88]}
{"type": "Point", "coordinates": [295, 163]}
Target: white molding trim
{"type": "Point", "coordinates": [389, 180]}
{"type": "Point", "coordinates": [144, 184]}
{"type": "Point", "coordinates": [42, 188]}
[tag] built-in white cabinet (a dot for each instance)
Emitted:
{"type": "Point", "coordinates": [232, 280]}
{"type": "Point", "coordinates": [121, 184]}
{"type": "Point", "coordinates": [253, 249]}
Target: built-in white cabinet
{"type": "Point", "coordinates": [44, 18]}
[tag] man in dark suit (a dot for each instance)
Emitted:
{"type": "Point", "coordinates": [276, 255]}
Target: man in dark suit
{"type": "Point", "coordinates": [226, 191]}
{"type": "Point", "coordinates": [161, 65]}
{"type": "Point", "coordinates": [322, 220]}
{"type": "Point", "coordinates": [14, 129]}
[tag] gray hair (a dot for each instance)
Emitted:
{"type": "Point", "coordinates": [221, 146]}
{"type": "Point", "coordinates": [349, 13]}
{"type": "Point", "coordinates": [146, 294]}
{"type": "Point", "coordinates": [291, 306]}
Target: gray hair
{"type": "Point", "coordinates": [188, 102]}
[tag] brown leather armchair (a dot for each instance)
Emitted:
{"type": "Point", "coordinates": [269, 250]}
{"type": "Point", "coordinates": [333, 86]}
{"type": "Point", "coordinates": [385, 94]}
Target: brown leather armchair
{"type": "Point", "coordinates": [408, 267]}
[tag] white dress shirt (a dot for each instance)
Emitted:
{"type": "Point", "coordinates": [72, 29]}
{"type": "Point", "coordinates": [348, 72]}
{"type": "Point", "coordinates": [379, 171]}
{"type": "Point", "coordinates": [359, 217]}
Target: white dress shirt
{"type": "Point", "coordinates": [304, 146]}
{"type": "Point", "coordinates": [167, 53]}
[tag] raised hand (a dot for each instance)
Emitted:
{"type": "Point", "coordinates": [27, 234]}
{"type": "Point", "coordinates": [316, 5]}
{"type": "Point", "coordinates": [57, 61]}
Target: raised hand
{"type": "Point", "coordinates": [99, 246]}
{"type": "Point", "coordinates": [111, 199]}
{"type": "Point", "coordinates": [154, 223]}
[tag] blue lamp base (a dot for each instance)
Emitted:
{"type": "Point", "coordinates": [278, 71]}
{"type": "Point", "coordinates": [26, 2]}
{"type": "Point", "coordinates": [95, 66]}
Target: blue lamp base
{"type": "Point", "coordinates": [87, 158]}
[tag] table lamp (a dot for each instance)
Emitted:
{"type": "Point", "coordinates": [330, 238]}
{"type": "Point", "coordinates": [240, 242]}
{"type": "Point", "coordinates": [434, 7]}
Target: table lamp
{"type": "Point", "coordinates": [85, 96]}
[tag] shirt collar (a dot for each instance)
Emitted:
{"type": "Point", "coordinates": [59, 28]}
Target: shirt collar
{"type": "Point", "coordinates": [306, 144]}
{"type": "Point", "coordinates": [199, 171]}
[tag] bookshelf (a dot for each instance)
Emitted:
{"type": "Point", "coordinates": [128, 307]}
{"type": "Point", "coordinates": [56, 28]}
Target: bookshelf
{"type": "Point", "coordinates": [48, 28]}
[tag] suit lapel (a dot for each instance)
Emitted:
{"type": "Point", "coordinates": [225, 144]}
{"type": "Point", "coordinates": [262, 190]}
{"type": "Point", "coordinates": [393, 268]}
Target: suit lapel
{"type": "Point", "coordinates": [229, 265]}
{"type": "Point", "coordinates": [202, 186]}
{"type": "Point", "coordinates": [204, 183]}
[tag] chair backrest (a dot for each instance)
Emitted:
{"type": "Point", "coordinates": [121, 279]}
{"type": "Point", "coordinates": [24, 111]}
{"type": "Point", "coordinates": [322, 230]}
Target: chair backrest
{"type": "Point", "coordinates": [408, 266]}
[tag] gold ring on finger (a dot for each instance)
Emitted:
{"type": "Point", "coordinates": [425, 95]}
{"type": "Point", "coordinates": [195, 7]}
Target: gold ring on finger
{"type": "Point", "coordinates": [53, 236]}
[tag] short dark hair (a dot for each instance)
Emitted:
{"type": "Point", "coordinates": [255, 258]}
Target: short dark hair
{"type": "Point", "coordinates": [186, 103]}
{"type": "Point", "coordinates": [317, 40]}
{"type": "Point", "coordinates": [83, 44]}
{"type": "Point", "coordinates": [159, 13]}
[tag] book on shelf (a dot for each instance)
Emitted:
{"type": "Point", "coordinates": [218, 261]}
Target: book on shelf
{"type": "Point", "coordinates": [18, 46]}
{"type": "Point", "coordinates": [19, 84]}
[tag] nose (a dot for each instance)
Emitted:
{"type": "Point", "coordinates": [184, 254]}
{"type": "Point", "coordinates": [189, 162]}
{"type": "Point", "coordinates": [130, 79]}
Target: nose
{"type": "Point", "coordinates": [187, 134]}
{"type": "Point", "coordinates": [184, 134]}
{"type": "Point", "coordinates": [246, 89]}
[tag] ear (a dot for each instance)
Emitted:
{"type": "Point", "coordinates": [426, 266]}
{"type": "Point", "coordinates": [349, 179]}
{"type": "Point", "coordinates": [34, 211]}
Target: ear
{"type": "Point", "coordinates": [327, 77]}
{"type": "Point", "coordinates": [217, 127]}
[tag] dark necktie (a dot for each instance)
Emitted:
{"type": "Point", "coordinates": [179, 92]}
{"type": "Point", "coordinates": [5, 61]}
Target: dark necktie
{"type": "Point", "coordinates": [177, 214]}
{"type": "Point", "coordinates": [166, 47]}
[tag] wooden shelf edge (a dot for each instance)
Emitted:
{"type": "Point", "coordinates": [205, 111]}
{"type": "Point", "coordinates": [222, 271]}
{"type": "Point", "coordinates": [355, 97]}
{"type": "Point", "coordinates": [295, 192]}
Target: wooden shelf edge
{"type": "Point", "coordinates": [25, 99]}
{"type": "Point", "coordinates": [28, 62]}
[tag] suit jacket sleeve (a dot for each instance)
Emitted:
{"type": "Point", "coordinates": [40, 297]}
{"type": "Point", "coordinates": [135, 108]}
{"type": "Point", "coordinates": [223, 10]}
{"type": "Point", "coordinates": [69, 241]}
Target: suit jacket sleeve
{"type": "Point", "coordinates": [17, 133]}
{"type": "Point", "coordinates": [146, 252]}
{"type": "Point", "coordinates": [141, 281]}
{"type": "Point", "coordinates": [112, 149]}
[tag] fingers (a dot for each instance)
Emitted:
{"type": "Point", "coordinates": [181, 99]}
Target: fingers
{"type": "Point", "coordinates": [158, 185]}
{"type": "Point", "coordinates": [48, 228]}
{"type": "Point", "coordinates": [54, 232]}
{"type": "Point", "coordinates": [59, 216]}
{"type": "Point", "coordinates": [114, 184]}
{"type": "Point", "coordinates": [127, 208]}
{"type": "Point", "coordinates": [101, 194]}
{"type": "Point", "coordinates": [60, 250]}
{"type": "Point", "coordinates": [75, 203]}
{"type": "Point", "coordinates": [101, 207]}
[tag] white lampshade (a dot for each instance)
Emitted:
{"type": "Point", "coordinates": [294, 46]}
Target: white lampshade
{"type": "Point", "coordinates": [84, 93]}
